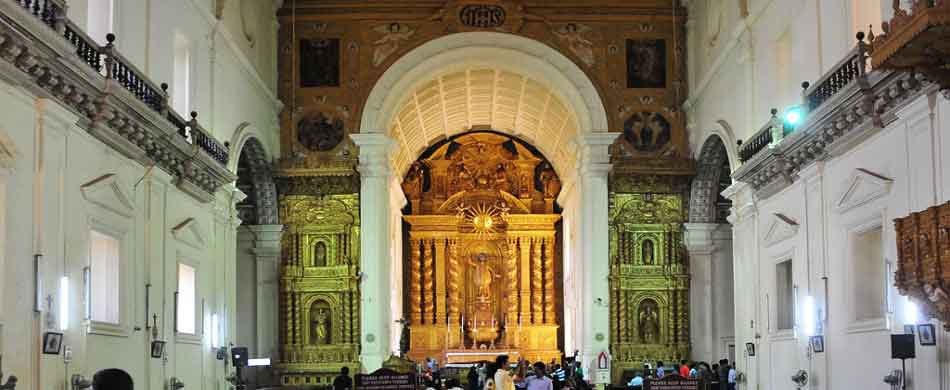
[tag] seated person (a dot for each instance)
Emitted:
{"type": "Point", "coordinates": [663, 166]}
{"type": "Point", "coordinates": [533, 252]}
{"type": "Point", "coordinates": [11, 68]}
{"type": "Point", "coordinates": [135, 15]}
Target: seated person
{"type": "Point", "coordinates": [636, 383]}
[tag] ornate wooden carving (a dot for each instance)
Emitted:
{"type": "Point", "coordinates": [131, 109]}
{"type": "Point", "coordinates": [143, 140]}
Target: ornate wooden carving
{"type": "Point", "coordinates": [319, 299]}
{"type": "Point", "coordinates": [482, 259]}
{"type": "Point", "coordinates": [916, 41]}
{"type": "Point", "coordinates": [649, 277]}
{"type": "Point", "coordinates": [923, 267]}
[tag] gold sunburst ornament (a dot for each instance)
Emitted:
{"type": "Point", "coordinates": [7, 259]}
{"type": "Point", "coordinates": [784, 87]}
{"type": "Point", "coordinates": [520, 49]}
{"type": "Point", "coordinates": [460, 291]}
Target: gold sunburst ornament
{"type": "Point", "coordinates": [483, 219]}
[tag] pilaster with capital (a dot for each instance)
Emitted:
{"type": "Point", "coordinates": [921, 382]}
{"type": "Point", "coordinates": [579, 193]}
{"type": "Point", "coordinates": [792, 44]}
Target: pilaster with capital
{"type": "Point", "coordinates": [376, 317]}
{"type": "Point", "coordinates": [591, 239]}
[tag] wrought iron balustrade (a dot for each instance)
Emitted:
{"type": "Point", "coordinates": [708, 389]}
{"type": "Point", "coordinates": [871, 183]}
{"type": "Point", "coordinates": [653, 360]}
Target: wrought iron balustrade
{"type": "Point", "coordinates": [760, 140]}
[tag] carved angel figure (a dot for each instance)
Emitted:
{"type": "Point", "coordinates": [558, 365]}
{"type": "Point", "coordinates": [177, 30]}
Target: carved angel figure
{"type": "Point", "coordinates": [393, 35]}
{"type": "Point", "coordinates": [572, 34]}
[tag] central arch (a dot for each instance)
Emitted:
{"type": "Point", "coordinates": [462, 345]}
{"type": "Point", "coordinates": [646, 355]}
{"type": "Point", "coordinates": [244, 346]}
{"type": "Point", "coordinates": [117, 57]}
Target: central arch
{"type": "Point", "coordinates": [387, 154]}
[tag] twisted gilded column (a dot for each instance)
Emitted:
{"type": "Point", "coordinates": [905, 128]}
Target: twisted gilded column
{"type": "Point", "coordinates": [454, 282]}
{"type": "Point", "coordinates": [549, 296]}
{"type": "Point", "coordinates": [512, 280]}
{"type": "Point", "coordinates": [524, 243]}
{"type": "Point", "coordinates": [415, 283]}
{"type": "Point", "coordinates": [440, 263]}
{"type": "Point", "coordinates": [428, 282]}
{"type": "Point", "coordinates": [537, 286]}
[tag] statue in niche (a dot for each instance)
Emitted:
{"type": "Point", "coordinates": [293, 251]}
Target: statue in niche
{"type": "Point", "coordinates": [319, 325]}
{"type": "Point", "coordinates": [552, 185]}
{"type": "Point", "coordinates": [412, 186]}
{"type": "Point", "coordinates": [647, 252]}
{"type": "Point", "coordinates": [393, 35]}
{"type": "Point", "coordinates": [649, 322]}
{"type": "Point", "coordinates": [501, 178]}
{"type": "Point", "coordinates": [481, 276]}
{"type": "Point", "coordinates": [320, 254]}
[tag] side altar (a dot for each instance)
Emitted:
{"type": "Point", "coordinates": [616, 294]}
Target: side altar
{"type": "Point", "coordinates": [483, 252]}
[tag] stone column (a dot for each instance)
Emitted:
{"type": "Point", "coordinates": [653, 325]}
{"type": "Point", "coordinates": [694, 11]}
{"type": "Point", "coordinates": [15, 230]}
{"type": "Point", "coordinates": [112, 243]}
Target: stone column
{"type": "Point", "coordinates": [591, 242]}
{"type": "Point", "coordinates": [375, 177]}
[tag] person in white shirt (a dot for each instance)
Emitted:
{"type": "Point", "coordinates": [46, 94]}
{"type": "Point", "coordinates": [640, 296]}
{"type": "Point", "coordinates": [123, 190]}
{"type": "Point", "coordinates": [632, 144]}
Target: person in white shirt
{"type": "Point", "coordinates": [732, 377]}
{"type": "Point", "coordinates": [539, 381]}
{"type": "Point", "coordinates": [502, 379]}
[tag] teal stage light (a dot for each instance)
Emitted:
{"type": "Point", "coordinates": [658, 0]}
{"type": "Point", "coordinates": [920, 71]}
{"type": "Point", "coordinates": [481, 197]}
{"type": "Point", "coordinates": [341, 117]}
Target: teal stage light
{"type": "Point", "coordinates": [793, 116]}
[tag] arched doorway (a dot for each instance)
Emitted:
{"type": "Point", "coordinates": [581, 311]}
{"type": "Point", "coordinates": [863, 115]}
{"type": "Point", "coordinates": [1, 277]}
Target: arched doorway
{"type": "Point", "coordinates": [257, 257]}
{"type": "Point", "coordinates": [709, 242]}
{"type": "Point", "coordinates": [390, 140]}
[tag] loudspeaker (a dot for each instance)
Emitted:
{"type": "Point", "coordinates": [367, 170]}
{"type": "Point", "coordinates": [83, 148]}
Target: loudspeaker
{"type": "Point", "coordinates": [902, 346]}
{"type": "Point", "coordinates": [239, 356]}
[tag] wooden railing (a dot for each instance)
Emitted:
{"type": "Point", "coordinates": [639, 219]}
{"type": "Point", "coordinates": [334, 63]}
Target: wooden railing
{"type": "Point", "coordinates": [760, 140]}
{"type": "Point", "coordinates": [107, 61]}
{"type": "Point", "coordinates": [851, 68]}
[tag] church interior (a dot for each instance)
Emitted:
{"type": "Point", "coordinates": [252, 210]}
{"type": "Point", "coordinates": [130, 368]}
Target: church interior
{"type": "Point", "coordinates": [261, 194]}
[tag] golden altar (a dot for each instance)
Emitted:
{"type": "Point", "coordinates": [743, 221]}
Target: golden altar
{"type": "Point", "coordinates": [483, 252]}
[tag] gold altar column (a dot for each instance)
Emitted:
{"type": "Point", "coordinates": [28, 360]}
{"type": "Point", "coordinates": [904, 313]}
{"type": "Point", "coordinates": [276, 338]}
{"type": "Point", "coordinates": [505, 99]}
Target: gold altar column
{"type": "Point", "coordinates": [525, 244]}
{"type": "Point", "coordinates": [428, 280]}
{"type": "Point", "coordinates": [415, 282]}
{"type": "Point", "coordinates": [439, 282]}
{"type": "Point", "coordinates": [455, 294]}
{"type": "Point", "coordinates": [512, 280]}
{"type": "Point", "coordinates": [549, 274]}
{"type": "Point", "coordinates": [537, 292]}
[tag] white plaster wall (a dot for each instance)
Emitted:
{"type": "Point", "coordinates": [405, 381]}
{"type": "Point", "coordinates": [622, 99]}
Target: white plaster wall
{"type": "Point", "coordinates": [912, 154]}
{"type": "Point", "coordinates": [233, 88]}
{"type": "Point", "coordinates": [50, 216]}
{"type": "Point", "coordinates": [758, 63]}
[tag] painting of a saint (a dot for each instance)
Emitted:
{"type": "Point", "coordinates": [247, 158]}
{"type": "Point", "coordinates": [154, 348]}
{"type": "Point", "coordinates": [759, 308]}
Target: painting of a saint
{"type": "Point", "coordinates": [646, 63]}
{"type": "Point", "coordinates": [319, 63]}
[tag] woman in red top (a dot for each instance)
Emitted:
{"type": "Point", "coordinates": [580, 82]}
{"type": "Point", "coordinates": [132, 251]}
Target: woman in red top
{"type": "Point", "coordinates": [684, 369]}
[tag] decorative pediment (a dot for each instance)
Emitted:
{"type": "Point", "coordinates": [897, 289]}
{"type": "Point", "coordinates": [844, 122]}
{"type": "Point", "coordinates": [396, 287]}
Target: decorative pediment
{"type": "Point", "coordinates": [781, 228]}
{"type": "Point", "coordinates": [189, 232]}
{"type": "Point", "coordinates": [864, 186]}
{"type": "Point", "coordinates": [108, 192]}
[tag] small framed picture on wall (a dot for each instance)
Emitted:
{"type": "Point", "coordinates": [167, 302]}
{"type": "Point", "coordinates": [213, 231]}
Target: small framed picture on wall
{"type": "Point", "coordinates": [750, 349]}
{"type": "Point", "coordinates": [926, 334]}
{"type": "Point", "coordinates": [818, 344]}
{"type": "Point", "coordinates": [52, 343]}
{"type": "Point", "coordinates": [158, 349]}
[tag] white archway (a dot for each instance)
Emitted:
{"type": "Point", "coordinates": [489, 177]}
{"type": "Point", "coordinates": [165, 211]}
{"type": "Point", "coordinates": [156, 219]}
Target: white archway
{"type": "Point", "coordinates": [583, 168]}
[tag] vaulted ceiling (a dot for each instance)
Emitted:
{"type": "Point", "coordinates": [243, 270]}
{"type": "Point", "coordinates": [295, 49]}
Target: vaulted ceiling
{"type": "Point", "coordinates": [483, 97]}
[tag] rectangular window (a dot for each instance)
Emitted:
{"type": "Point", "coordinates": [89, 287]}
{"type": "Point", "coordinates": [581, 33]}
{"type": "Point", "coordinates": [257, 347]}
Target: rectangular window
{"type": "Point", "coordinates": [868, 273]}
{"type": "Point", "coordinates": [100, 19]}
{"type": "Point", "coordinates": [181, 88]}
{"type": "Point", "coordinates": [187, 285]}
{"type": "Point", "coordinates": [104, 267]}
{"type": "Point", "coordinates": [785, 292]}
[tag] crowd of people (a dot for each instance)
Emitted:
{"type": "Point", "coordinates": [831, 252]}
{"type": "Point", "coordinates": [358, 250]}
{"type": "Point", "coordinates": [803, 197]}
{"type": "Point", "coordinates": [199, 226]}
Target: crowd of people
{"type": "Point", "coordinates": [719, 376]}
{"type": "Point", "coordinates": [499, 375]}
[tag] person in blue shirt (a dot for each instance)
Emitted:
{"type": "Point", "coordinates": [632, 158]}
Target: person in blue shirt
{"type": "Point", "coordinates": [659, 370]}
{"type": "Point", "coordinates": [636, 383]}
